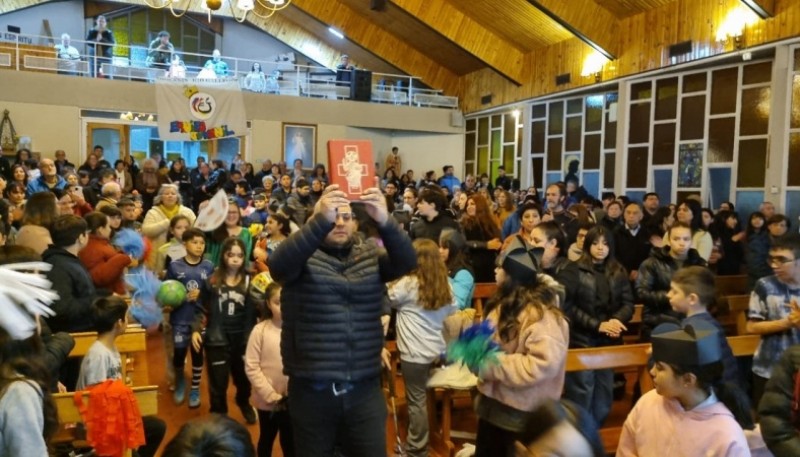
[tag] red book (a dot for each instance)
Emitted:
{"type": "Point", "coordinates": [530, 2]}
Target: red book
{"type": "Point", "coordinates": [351, 166]}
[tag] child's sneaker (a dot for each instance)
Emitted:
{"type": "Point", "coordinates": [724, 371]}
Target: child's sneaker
{"type": "Point", "coordinates": [194, 398]}
{"type": "Point", "coordinates": [180, 390]}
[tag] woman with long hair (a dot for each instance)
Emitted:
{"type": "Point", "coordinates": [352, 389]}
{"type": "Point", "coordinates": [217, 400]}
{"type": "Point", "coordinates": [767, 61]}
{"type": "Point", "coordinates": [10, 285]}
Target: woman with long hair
{"type": "Point", "coordinates": [423, 299]}
{"type": "Point", "coordinates": [167, 204]}
{"type": "Point", "coordinates": [756, 251]}
{"type": "Point", "coordinates": [598, 323]}
{"type": "Point", "coordinates": [320, 173]}
{"type": "Point", "coordinates": [691, 411]}
{"type": "Point", "coordinates": [505, 207]}
{"type": "Point", "coordinates": [533, 335]}
{"type": "Point", "coordinates": [91, 166]}
{"type": "Point", "coordinates": [728, 231]}
{"type": "Point", "coordinates": [15, 195]}
{"type": "Point", "coordinates": [19, 174]}
{"type": "Point", "coordinates": [690, 213]}
{"type": "Point", "coordinates": [256, 80]}
{"type": "Point", "coordinates": [659, 224]}
{"type": "Point", "coordinates": [40, 213]}
{"type": "Point", "coordinates": [230, 228]}
{"type": "Point", "coordinates": [483, 237]}
{"type": "Point", "coordinates": [453, 249]}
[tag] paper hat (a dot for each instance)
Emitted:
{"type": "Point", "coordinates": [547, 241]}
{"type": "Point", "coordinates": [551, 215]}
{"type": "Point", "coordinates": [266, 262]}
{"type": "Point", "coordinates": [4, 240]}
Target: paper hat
{"type": "Point", "coordinates": [696, 344]}
{"type": "Point", "coordinates": [521, 265]}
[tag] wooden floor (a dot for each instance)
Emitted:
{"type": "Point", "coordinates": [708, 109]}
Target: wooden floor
{"type": "Point", "coordinates": [175, 416]}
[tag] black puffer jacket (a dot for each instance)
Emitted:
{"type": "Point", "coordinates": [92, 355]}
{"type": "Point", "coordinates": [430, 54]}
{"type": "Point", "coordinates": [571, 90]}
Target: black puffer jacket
{"type": "Point", "coordinates": [652, 286]}
{"type": "Point", "coordinates": [332, 299]}
{"type": "Point", "coordinates": [566, 274]}
{"type": "Point", "coordinates": [75, 289]}
{"type": "Point", "coordinates": [423, 228]}
{"type": "Point", "coordinates": [775, 410]}
{"type": "Point", "coordinates": [586, 316]}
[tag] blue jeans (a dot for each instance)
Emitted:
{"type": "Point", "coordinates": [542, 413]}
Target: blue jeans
{"type": "Point", "coordinates": [593, 390]}
{"type": "Point", "coordinates": [354, 420]}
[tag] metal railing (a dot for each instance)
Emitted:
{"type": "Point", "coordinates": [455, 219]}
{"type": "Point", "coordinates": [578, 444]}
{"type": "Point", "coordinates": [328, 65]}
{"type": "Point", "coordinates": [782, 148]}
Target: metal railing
{"type": "Point", "coordinates": [284, 77]}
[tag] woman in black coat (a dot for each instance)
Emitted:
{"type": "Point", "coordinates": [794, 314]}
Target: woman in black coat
{"type": "Point", "coordinates": [599, 321]}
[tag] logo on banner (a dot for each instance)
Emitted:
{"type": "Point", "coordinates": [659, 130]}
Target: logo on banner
{"type": "Point", "coordinates": [201, 105]}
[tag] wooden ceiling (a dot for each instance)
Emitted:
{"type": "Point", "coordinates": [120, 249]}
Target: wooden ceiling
{"type": "Point", "coordinates": [439, 41]}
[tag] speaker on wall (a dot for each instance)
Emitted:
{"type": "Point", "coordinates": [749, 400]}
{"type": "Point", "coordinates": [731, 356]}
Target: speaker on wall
{"type": "Point", "coordinates": [377, 5]}
{"type": "Point", "coordinates": [361, 85]}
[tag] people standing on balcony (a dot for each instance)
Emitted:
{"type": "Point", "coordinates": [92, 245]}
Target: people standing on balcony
{"type": "Point", "coordinates": [256, 80]}
{"type": "Point", "coordinates": [159, 53]}
{"type": "Point", "coordinates": [100, 45]}
{"type": "Point", "coordinates": [68, 56]}
{"type": "Point", "coordinates": [344, 71]}
{"type": "Point", "coordinates": [217, 64]}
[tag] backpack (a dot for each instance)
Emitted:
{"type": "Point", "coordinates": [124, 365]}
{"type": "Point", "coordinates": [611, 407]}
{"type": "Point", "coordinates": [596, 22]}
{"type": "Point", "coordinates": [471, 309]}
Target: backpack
{"type": "Point", "coordinates": [112, 418]}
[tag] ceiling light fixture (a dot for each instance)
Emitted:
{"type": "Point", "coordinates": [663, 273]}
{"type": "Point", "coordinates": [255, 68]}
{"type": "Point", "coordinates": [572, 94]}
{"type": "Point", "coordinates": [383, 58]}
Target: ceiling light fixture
{"type": "Point", "coordinates": [239, 12]}
{"type": "Point", "coordinates": [336, 33]}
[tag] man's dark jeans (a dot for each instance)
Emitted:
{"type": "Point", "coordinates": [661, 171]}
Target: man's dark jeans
{"type": "Point", "coordinates": [325, 415]}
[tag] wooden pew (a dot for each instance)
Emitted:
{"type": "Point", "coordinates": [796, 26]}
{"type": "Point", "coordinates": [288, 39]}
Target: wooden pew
{"type": "Point", "coordinates": [628, 356]}
{"type": "Point", "coordinates": [731, 285]}
{"type": "Point", "coordinates": [146, 396]}
{"type": "Point", "coordinates": [132, 347]}
{"type": "Point", "coordinates": [482, 292]}
{"type": "Point", "coordinates": [737, 307]}
{"type": "Point", "coordinates": [635, 356]}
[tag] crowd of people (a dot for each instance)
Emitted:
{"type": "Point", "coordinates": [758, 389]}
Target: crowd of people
{"type": "Point", "coordinates": [293, 296]}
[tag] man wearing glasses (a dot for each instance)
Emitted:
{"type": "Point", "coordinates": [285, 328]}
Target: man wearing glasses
{"type": "Point", "coordinates": [775, 310]}
{"type": "Point", "coordinates": [332, 337]}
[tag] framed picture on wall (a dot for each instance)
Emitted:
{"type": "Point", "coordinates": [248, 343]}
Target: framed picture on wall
{"type": "Point", "coordinates": [690, 165]}
{"type": "Point", "coordinates": [300, 142]}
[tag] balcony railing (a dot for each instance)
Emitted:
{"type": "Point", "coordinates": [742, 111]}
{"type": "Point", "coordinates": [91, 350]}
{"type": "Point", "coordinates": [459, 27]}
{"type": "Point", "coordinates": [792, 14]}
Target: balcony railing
{"type": "Point", "coordinates": [17, 52]}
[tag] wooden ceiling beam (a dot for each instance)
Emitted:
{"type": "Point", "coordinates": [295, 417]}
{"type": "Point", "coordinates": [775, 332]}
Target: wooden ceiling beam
{"type": "Point", "coordinates": [763, 8]}
{"type": "Point", "coordinates": [381, 43]}
{"type": "Point", "coordinates": [470, 35]}
{"type": "Point", "coordinates": [588, 21]}
{"type": "Point", "coordinates": [8, 6]}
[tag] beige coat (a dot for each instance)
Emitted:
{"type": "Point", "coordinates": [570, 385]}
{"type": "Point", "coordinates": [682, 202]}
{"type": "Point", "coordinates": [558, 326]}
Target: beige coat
{"type": "Point", "coordinates": [531, 368]}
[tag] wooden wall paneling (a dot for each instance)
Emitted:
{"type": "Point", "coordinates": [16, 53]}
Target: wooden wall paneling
{"type": "Point", "coordinates": [626, 8]}
{"type": "Point", "coordinates": [643, 42]}
{"type": "Point", "coordinates": [474, 37]}
{"type": "Point", "coordinates": [390, 47]}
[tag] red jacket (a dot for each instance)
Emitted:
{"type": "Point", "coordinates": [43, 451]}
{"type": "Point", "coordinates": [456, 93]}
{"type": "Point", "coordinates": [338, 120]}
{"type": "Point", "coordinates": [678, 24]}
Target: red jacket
{"type": "Point", "coordinates": [105, 264]}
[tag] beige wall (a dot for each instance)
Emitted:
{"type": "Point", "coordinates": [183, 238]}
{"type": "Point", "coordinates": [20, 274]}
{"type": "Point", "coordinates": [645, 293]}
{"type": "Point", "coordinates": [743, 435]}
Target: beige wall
{"type": "Point", "coordinates": [47, 108]}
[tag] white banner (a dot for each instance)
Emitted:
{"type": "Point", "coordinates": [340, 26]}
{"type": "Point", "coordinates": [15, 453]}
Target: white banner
{"type": "Point", "coordinates": [199, 109]}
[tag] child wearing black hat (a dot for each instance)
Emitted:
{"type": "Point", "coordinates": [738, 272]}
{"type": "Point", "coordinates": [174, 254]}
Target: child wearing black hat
{"type": "Point", "coordinates": [691, 411]}
{"type": "Point", "coordinates": [533, 335]}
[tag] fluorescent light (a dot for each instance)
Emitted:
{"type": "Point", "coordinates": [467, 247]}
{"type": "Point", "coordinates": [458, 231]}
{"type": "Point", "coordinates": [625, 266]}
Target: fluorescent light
{"type": "Point", "coordinates": [336, 33]}
{"type": "Point", "coordinates": [762, 12]}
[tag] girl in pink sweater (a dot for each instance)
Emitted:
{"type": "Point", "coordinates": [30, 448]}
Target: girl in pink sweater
{"type": "Point", "coordinates": [264, 368]}
{"type": "Point", "coordinates": [533, 335]}
{"type": "Point", "coordinates": [691, 412]}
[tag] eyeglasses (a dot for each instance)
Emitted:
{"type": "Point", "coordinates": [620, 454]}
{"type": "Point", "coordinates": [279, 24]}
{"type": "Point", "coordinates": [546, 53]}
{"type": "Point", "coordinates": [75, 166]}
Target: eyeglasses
{"type": "Point", "coordinates": [346, 217]}
{"type": "Point", "coordinates": [779, 260]}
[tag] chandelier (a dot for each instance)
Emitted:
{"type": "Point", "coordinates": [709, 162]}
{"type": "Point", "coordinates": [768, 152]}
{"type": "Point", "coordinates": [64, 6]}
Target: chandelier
{"type": "Point", "coordinates": [239, 12]}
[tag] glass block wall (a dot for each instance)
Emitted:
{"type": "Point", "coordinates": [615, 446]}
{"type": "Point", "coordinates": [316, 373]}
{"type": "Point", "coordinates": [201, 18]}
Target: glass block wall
{"type": "Point", "coordinates": [701, 133]}
{"type": "Point", "coordinates": [492, 141]}
{"type": "Point", "coordinates": [577, 134]}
